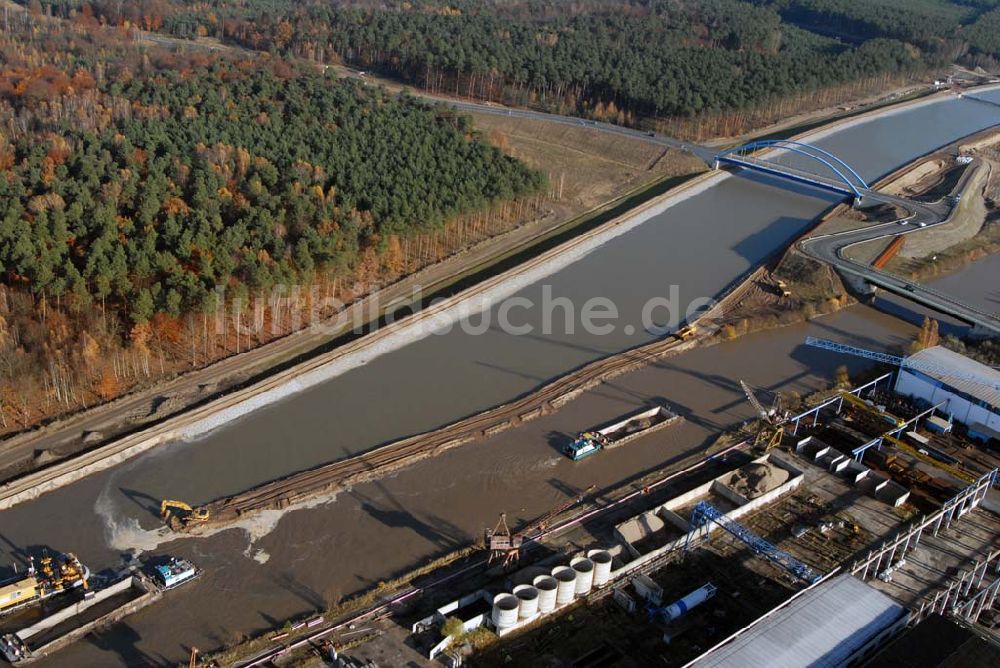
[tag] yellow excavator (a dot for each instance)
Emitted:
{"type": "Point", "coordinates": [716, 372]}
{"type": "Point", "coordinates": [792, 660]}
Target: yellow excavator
{"type": "Point", "coordinates": [179, 515]}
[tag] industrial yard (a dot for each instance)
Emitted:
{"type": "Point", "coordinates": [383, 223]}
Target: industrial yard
{"type": "Point", "coordinates": [834, 504]}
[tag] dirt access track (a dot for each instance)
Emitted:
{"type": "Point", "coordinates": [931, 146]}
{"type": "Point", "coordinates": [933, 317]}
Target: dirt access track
{"type": "Point", "coordinates": [329, 478]}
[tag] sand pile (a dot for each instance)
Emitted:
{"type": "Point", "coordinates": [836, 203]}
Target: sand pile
{"type": "Point", "coordinates": [755, 479]}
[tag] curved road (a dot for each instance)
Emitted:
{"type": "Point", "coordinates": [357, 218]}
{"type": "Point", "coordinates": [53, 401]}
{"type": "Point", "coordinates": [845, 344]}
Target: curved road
{"type": "Point", "coordinates": [829, 248]}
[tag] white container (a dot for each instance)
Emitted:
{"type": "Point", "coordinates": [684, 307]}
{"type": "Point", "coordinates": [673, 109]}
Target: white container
{"type": "Point", "coordinates": [546, 586]}
{"type": "Point", "coordinates": [602, 566]}
{"type": "Point", "coordinates": [528, 601]}
{"type": "Point", "coordinates": [566, 584]}
{"type": "Point", "coordinates": [584, 569]}
{"type": "Point", "coordinates": [695, 598]}
{"type": "Point", "coordinates": [504, 611]}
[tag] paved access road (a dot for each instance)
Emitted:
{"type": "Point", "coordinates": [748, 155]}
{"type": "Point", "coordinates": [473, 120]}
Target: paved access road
{"type": "Point", "coordinates": [705, 153]}
{"type": "Point", "coordinates": [829, 248]}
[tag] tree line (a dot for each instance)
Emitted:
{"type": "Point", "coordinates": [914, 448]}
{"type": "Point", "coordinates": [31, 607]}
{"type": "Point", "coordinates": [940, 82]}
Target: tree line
{"type": "Point", "coordinates": [656, 58]}
{"type": "Point", "coordinates": [226, 175]}
{"type": "Point", "coordinates": [141, 185]}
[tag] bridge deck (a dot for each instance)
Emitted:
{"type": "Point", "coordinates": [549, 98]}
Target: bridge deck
{"type": "Point", "coordinates": [783, 171]}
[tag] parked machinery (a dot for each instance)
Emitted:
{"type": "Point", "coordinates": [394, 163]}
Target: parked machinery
{"type": "Point", "coordinates": [668, 613]}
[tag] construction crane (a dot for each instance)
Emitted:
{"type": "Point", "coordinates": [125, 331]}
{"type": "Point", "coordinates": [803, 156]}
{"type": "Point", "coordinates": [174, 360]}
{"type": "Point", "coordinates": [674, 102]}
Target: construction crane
{"type": "Point", "coordinates": [902, 362]}
{"type": "Point", "coordinates": [502, 543]}
{"type": "Point", "coordinates": [505, 544]}
{"type": "Point", "coordinates": [178, 514]}
{"type": "Point", "coordinates": [705, 513]}
{"type": "Point", "coordinates": [770, 421]}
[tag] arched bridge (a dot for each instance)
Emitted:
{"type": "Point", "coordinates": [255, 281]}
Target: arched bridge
{"type": "Point", "coordinates": [832, 173]}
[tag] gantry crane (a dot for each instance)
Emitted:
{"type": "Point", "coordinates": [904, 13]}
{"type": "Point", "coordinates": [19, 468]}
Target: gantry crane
{"type": "Point", "coordinates": [505, 544]}
{"type": "Point", "coordinates": [769, 423]}
{"type": "Point", "coordinates": [902, 362]}
{"type": "Point", "coordinates": [705, 513]}
{"type": "Point", "coordinates": [905, 363]}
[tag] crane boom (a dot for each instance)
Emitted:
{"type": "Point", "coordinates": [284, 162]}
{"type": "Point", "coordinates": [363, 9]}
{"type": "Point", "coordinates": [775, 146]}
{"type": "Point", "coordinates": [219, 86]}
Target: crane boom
{"type": "Point", "coordinates": [705, 513]}
{"type": "Point", "coordinates": [757, 406]}
{"type": "Point", "coordinates": [902, 362]}
{"type": "Point", "coordinates": [505, 544]}
{"type": "Point", "coordinates": [543, 521]}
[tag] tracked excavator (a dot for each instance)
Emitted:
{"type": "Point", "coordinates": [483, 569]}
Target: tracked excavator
{"type": "Point", "coordinates": [177, 515]}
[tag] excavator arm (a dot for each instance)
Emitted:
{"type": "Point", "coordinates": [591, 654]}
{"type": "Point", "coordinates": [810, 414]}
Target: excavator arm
{"type": "Point", "coordinates": [178, 514]}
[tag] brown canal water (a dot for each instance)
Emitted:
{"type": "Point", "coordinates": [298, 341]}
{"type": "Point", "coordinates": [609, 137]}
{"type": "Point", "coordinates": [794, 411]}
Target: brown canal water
{"type": "Point", "coordinates": [314, 556]}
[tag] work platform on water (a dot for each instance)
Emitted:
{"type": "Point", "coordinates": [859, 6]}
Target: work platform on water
{"type": "Point", "coordinates": [86, 603]}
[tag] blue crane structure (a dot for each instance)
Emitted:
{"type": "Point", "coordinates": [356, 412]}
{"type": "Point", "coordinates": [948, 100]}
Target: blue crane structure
{"type": "Point", "coordinates": [705, 513]}
{"type": "Point", "coordinates": [902, 362]}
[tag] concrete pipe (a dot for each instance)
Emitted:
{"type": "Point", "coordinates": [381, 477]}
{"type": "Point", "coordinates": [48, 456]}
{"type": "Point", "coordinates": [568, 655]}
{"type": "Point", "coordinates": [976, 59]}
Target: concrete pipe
{"type": "Point", "coordinates": [584, 569]}
{"type": "Point", "coordinates": [546, 586]}
{"type": "Point", "coordinates": [602, 566]}
{"type": "Point", "coordinates": [528, 601]}
{"type": "Point", "coordinates": [504, 611]}
{"type": "Point", "coordinates": [566, 584]}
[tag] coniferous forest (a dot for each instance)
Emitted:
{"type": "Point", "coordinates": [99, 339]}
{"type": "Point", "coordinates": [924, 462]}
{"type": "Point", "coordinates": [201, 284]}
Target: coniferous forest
{"type": "Point", "coordinates": [651, 58]}
{"type": "Point", "coordinates": [143, 183]}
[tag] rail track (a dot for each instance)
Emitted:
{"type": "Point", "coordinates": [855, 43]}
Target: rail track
{"type": "Point", "coordinates": [333, 476]}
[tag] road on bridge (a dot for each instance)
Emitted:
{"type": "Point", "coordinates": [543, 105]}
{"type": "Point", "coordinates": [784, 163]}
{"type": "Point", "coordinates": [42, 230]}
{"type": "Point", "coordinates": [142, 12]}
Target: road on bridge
{"type": "Point", "coordinates": [829, 248]}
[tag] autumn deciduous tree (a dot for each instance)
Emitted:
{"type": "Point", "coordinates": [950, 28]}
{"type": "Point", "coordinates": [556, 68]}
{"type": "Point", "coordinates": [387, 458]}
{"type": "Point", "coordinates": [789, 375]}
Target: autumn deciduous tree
{"type": "Point", "coordinates": [927, 337]}
{"type": "Point", "coordinates": [107, 385]}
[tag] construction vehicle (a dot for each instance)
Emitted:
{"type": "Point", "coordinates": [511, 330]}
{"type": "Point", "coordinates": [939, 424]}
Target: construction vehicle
{"type": "Point", "coordinates": [177, 515]}
{"type": "Point", "coordinates": [686, 332]}
{"type": "Point", "coordinates": [783, 289]}
{"type": "Point", "coordinates": [54, 575]}
{"type": "Point", "coordinates": [770, 421]}
{"type": "Point", "coordinates": [505, 544]}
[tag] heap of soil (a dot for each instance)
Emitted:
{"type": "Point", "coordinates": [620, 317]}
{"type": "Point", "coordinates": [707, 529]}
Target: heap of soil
{"type": "Point", "coordinates": [755, 479]}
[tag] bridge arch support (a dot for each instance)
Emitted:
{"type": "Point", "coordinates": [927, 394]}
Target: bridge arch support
{"type": "Point", "coordinates": [842, 177]}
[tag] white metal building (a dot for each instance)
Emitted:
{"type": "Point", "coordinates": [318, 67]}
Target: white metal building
{"type": "Point", "coordinates": [839, 622]}
{"type": "Point", "coordinates": [969, 402]}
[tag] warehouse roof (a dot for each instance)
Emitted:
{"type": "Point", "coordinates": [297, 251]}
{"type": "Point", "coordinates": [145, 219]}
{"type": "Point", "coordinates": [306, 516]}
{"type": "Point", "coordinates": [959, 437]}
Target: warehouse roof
{"type": "Point", "coordinates": [988, 389]}
{"type": "Point", "coordinates": [823, 627]}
